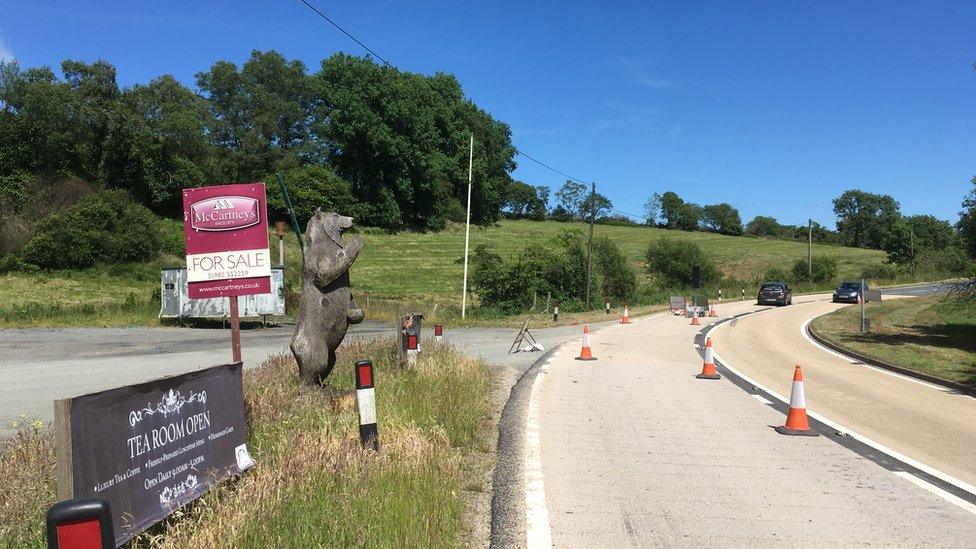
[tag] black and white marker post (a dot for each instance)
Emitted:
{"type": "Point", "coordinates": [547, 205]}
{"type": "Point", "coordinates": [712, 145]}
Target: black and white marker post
{"type": "Point", "coordinates": [366, 405]}
{"type": "Point", "coordinates": [555, 312]}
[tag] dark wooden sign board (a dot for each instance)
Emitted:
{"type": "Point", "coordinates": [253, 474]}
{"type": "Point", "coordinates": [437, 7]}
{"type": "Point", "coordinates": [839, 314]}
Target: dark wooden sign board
{"type": "Point", "coordinates": [150, 448]}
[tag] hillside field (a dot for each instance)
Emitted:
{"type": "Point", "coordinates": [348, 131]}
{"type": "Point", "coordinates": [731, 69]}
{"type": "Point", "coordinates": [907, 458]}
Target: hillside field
{"type": "Point", "coordinates": [417, 268]}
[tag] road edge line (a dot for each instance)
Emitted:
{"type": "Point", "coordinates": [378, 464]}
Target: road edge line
{"type": "Point", "coordinates": [936, 382]}
{"type": "Point", "coordinates": [964, 490]}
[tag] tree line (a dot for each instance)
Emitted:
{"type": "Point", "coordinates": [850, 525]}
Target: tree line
{"type": "Point", "coordinates": [386, 146]}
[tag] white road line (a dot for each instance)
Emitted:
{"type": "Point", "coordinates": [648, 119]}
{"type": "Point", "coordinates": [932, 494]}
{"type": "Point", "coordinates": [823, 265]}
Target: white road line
{"type": "Point", "coordinates": [815, 343]}
{"type": "Point", "coordinates": [945, 477]}
{"type": "Point", "coordinates": [762, 399]}
{"type": "Point", "coordinates": [537, 532]}
{"type": "Point", "coordinates": [951, 498]}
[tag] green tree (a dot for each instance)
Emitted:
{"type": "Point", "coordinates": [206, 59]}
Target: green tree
{"type": "Point", "coordinates": [652, 209]}
{"type": "Point", "coordinates": [597, 204]}
{"type": "Point", "coordinates": [863, 218]}
{"type": "Point", "coordinates": [310, 187]}
{"type": "Point", "coordinates": [722, 218]}
{"type": "Point", "coordinates": [763, 225]}
{"type": "Point", "coordinates": [571, 197]}
{"type": "Point", "coordinates": [520, 199]}
{"type": "Point", "coordinates": [967, 221]}
{"type": "Point", "coordinates": [540, 207]}
{"type": "Point", "coordinates": [821, 270]}
{"type": "Point", "coordinates": [688, 217]}
{"type": "Point", "coordinates": [672, 209]}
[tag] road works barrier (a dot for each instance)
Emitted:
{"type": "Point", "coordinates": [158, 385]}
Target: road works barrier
{"type": "Point", "coordinates": [708, 368]}
{"type": "Point", "coordinates": [626, 318]}
{"type": "Point", "coordinates": [797, 423]}
{"type": "Point", "coordinates": [366, 405]}
{"type": "Point", "coordinates": [585, 352]}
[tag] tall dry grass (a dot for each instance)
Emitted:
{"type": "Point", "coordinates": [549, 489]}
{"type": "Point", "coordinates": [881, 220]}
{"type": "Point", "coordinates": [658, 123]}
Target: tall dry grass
{"type": "Point", "coordinates": [313, 485]}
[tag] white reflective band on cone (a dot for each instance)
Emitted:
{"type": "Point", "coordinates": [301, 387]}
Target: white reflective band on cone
{"type": "Point", "coordinates": [586, 340]}
{"type": "Point", "coordinates": [797, 400]}
{"type": "Point", "coordinates": [366, 404]}
{"type": "Point", "coordinates": [708, 356]}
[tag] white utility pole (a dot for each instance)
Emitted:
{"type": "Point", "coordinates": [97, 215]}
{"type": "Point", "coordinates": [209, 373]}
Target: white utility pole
{"type": "Point", "coordinates": [467, 231]}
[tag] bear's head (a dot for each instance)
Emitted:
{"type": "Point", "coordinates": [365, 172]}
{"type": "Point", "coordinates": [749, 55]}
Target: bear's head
{"type": "Point", "coordinates": [328, 224]}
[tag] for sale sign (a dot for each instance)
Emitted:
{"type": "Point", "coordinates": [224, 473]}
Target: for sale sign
{"type": "Point", "coordinates": [226, 229]}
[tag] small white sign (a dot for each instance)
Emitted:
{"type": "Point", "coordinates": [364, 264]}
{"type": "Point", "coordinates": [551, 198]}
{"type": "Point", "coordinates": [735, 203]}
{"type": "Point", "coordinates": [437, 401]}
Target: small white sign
{"type": "Point", "coordinates": [244, 459]}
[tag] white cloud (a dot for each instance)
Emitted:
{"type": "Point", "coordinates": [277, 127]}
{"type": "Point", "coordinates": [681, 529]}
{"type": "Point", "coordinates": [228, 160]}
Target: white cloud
{"type": "Point", "coordinates": [6, 54]}
{"type": "Point", "coordinates": [641, 77]}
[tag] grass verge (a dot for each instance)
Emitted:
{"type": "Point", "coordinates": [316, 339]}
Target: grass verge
{"type": "Point", "coordinates": [933, 335]}
{"type": "Point", "coordinates": [313, 485]}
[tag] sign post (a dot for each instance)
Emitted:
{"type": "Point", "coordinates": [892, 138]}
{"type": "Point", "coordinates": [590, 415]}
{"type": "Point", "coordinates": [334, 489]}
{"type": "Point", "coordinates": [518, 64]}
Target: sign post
{"type": "Point", "coordinates": [227, 253]}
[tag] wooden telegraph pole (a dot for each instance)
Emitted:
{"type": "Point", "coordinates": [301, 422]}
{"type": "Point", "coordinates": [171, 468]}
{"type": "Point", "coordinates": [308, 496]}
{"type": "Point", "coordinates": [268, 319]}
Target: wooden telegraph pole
{"type": "Point", "coordinates": [810, 248]}
{"type": "Point", "coordinates": [589, 245]}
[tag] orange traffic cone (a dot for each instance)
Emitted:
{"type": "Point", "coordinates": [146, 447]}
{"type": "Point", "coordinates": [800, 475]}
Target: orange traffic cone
{"type": "Point", "coordinates": [585, 353]}
{"type": "Point", "coordinates": [694, 319]}
{"type": "Point", "coordinates": [708, 368]}
{"type": "Point", "coordinates": [711, 311]}
{"type": "Point", "coordinates": [626, 318]}
{"type": "Point", "coordinates": [796, 420]}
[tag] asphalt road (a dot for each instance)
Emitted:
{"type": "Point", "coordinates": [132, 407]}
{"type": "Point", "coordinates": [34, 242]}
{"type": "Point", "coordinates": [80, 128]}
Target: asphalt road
{"type": "Point", "coordinates": [633, 450]}
{"type": "Point", "coordinates": [41, 365]}
{"type": "Point", "coordinates": [926, 422]}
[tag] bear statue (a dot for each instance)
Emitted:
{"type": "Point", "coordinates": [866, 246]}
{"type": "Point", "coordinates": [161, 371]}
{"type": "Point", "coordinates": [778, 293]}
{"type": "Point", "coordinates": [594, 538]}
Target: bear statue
{"type": "Point", "coordinates": [326, 307]}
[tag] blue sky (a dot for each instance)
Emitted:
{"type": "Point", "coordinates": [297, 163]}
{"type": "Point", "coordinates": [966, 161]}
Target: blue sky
{"type": "Point", "coordinates": [775, 107]}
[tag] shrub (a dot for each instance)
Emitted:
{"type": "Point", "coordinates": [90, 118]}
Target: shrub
{"type": "Point", "coordinates": [106, 226]}
{"type": "Point", "coordinates": [777, 274]}
{"type": "Point", "coordinates": [617, 277]}
{"type": "Point", "coordinates": [823, 269]}
{"type": "Point", "coordinates": [951, 260]}
{"type": "Point", "coordinates": [171, 237]}
{"type": "Point", "coordinates": [673, 260]}
{"type": "Point", "coordinates": [881, 271]}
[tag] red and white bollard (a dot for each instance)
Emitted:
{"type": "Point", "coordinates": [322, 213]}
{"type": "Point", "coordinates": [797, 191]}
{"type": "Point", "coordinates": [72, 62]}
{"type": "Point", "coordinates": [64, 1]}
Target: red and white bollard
{"type": "Point", "coordinates": [366, 405]}
{"type": "Point", "coordinates": [438, 332]}
{"type": "Point", "coordinates": [413, 349]}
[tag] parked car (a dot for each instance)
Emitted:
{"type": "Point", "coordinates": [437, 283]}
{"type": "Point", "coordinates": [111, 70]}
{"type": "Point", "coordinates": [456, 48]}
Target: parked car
{"type": "Point", "coordinates": [849, 292]}
{"type": "Point", "coordinates": [776, 293]}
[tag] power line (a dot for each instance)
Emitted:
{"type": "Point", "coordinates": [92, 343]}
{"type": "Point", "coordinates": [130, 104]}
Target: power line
{"type": "Point", "coordinates": [344, 31]}
{"type": "Point", "coordinates": [390, 65]}
{"type": "Point", "coordinates": [550, 168]}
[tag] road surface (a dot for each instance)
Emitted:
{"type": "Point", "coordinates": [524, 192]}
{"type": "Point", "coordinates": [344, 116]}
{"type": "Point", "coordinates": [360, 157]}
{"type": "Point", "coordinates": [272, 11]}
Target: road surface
{"type": "Point", "coordinates": [41, 365]}
{"type": "Point", "coordinates": [633, 450]}
{"type": "Point", "coordinates": [928, 423]}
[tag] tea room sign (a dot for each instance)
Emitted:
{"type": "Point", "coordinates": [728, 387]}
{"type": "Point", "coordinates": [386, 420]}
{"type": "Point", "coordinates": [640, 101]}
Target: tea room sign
{"type": "Point", "coordinates": [150, 448]}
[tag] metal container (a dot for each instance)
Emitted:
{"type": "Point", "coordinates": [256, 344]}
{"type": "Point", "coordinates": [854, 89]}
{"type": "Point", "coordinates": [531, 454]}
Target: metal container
{"type": "Point", "coordinates": [177, 304]}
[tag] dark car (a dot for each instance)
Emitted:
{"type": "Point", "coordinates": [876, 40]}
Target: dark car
{"type": "Point", "coordinates": [776, 293]}
{"type": "Point", "coordinates": [849, 292]}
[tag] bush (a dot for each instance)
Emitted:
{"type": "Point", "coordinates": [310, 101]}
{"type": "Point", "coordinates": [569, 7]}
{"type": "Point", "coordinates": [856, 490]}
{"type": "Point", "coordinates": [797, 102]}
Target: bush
{"type": "Point", "coordinates": [822, 270]}
{"type": "Point", "coordinates": [106, 226]}
{"type": "Point", "coordinates": [947, 261]}
{"type": "Point", "coordinates": [881, 271]}
{"type": "Point", "coordinates": [777, 274]}
{"type": "Point", "coordinates": [673, 260]}
{"type": "Point", "coordinates": [617, 278]}
{"type": "Point", "coordinates": [171, 237]}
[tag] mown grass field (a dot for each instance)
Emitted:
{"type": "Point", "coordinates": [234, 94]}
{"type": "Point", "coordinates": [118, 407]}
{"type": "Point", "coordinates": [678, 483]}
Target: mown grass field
{"type": "Point", "coordinates": [313, 486]}
{"type": "Point", "coordinates": [933, 335]}
{"type": "Point", "coordinates": [415, 271]}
